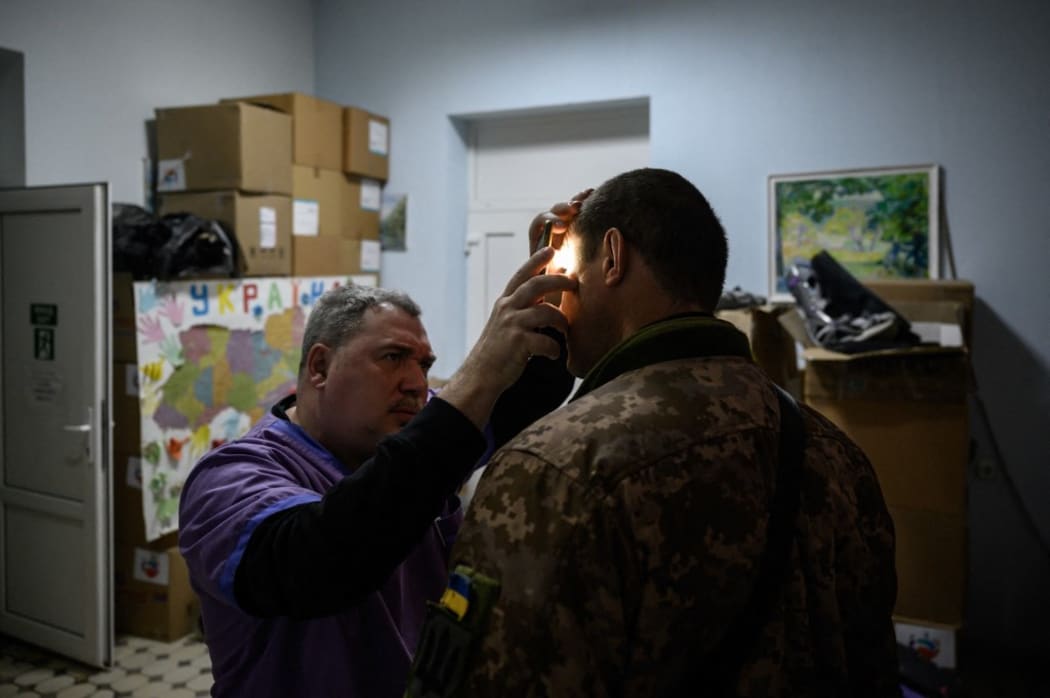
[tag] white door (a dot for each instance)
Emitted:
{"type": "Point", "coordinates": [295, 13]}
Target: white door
{"type": "Point", "coordinates": [55, 428]}
{"type": "Point", "coordinates": [519, 165]}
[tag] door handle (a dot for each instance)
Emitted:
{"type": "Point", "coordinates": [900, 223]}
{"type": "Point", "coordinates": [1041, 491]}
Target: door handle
{"type": "Point", "coordinates": [86, 428]}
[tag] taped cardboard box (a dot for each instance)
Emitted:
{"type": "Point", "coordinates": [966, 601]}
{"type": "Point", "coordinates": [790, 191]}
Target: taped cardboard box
{"type": "Point", "coordinates": [152, 594]}
{"type": "Point", "coordinates": [124, 345]}
{"type": "Point", "coordinates": [366, 143]}
{"type": "Point", "coordinates": [317, 127]}
{"type": "Point", "coordinates": [231, 145]}
{"type": "Point", "coordinates": [334, 256]}
{"type": "Point", "coordinates": [904, 294]}
{"type": "Point", "coordinates": [908, 412]}
{"type": "Point", "coordinates": [317, 202]}
{"type": "Point", "coordinates": [361, 200]}
{"type": "Point", "coordinates": [127, 425]}
{"type": "Point", "coordinates": [325, 256]}
{"type": "Point", "coordinates": [932, 565]}
{"type": "Point", "coordinates": [262, 224]}
{"type": "Point", "coordinates": [907, 409]}
{"type": "Point", "coordinates": [771, 346]}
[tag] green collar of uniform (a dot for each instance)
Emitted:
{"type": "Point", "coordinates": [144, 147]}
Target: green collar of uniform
{"type": "Point", "coordinates": [678, 337]}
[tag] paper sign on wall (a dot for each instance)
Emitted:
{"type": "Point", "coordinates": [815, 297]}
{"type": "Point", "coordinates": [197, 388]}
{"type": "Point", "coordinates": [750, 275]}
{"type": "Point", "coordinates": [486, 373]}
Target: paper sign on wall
{"type": "Point", "coordinates": [370, 195]}
{"type": "Point", "coordinates": [267, 227]}
{"type": "Point", "coordinates": [378, 137]}
{"type": "Point", "coordinates": [370, 250]}
{"type": "Point", "coordinates": [305, 216]}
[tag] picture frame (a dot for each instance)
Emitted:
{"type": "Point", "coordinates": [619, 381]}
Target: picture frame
{"type": "Point", "coordinates": [878, 222]}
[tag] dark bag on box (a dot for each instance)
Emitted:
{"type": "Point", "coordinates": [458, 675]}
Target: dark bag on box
{"type": "Point", "coordinates": [178, 245]}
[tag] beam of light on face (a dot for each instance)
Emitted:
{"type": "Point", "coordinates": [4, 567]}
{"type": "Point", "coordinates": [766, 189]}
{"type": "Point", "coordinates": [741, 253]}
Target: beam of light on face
{"type": "Point", "coordinates": [564, 261]}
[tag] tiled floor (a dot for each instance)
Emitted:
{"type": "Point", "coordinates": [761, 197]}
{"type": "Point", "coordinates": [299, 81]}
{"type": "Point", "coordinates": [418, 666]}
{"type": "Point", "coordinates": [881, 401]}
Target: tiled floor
{"type": "Point", "coordinates": [142, 669]}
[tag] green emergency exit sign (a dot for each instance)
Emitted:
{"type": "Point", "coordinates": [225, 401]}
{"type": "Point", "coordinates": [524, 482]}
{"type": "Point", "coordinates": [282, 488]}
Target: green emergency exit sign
{"type": "Point", "coordinates": [43, 314]}
{"type": "Point", "coordinates": [44, 343]}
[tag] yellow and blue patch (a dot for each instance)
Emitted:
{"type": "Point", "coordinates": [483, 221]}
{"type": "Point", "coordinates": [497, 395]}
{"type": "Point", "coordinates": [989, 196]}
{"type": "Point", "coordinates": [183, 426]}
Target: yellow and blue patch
{"type": "Point", "coordinates": [457, 596]}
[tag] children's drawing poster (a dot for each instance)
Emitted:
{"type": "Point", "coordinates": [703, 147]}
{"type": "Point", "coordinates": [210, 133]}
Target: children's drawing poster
{"type": "Point", "coordinates": [213, 357]}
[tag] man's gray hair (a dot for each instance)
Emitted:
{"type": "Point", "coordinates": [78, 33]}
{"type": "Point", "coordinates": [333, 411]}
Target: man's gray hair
{"type": "Point", "coordinates": [340, 312]}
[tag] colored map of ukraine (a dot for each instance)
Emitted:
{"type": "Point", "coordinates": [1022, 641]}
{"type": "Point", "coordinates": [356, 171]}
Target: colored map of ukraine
{"type": "Point", "coordinates": [229, 369]}
{"type": "Point", "coordinates": [213, 358]}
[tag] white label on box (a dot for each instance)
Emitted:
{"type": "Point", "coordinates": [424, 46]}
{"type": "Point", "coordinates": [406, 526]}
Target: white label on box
{"type": "Point", "coordinates": [370, 195]}
{"type": "Point", "coordinates": [131, 380]}
{"type": "Point", "coordinates": [151, 566]}
{"type": "Point", "coordinates": [944, 334]}
{"type": "Point", "coordinates": [370, 255]}
{"type": "Point", "coordinates": [305, 216]}
{"type": "Point", "coordinates": [378, 136]}
{"type": "Point", "coordinates": [267, 227]}
{"type": "Point", "coordinates": [171, 175]}
{"type": "Point", "coordinates": [369, 280]}
{"type": "Point", "coordinates": [935, 644]}
{"type": "Point", "coordinates": [133, 474]}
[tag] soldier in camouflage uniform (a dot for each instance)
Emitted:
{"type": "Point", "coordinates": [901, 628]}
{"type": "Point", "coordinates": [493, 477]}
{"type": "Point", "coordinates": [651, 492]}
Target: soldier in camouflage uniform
{"type": "Point", "coordinates": [626, 528]}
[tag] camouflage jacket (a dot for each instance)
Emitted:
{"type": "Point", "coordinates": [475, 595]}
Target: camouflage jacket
{"type": "Point", "coordinates": [625, 530]}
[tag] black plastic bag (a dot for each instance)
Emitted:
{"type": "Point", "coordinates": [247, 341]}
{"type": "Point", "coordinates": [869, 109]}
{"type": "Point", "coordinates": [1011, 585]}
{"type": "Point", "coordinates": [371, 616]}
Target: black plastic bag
{"type": "Point", "coordinates": [178, 245]}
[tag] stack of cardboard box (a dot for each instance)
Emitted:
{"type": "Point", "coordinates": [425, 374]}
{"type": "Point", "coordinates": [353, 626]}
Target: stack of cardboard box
{"type": "Point", "coordinates": [772, 348]}
{"type": "Point", "coordinates": [153, 597]}
{"type": "Point", "coordinates": [298, 179]}
{"type": "Point", "coordinates": [340, 159]}
{"type": "Point", "coordinates": [231, 162]}
{"type": "Point", "coordinates": [908, 410]}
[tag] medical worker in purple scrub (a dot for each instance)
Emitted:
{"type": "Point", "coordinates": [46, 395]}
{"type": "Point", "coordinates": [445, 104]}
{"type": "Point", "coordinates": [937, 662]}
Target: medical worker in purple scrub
{"type": "Point", "coordinates": [315, 540]}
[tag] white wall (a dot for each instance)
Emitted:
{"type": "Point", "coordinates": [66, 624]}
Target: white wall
{"type": "Point", "coordinates": [740, 90]}
{"type": "Point", "coordinates": [96, 69]}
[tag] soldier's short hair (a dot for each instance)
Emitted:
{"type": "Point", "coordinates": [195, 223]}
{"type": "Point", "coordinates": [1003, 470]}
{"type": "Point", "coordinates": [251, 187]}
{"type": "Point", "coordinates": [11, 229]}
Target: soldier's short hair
{"type": "Point", "coordinates": [340, 312]}
{"type": "Point", "coordinates": [670, 223]}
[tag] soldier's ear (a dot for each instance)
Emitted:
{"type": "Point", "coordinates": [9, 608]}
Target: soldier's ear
{"type": "Point", "coordinates": [615, 257]}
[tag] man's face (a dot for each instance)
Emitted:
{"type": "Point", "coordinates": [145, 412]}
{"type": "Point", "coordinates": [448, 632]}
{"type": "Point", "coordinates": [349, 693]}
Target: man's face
{"type": "Point", "coordinates": [375, 383]}
{"type": "Point", "coordinates": [592, 325]}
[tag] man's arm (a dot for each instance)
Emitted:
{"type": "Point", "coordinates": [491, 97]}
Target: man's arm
{"type": "Point", "coordinates": [542, 388]}
{"type": "Point", "coordinates": [320, 558]}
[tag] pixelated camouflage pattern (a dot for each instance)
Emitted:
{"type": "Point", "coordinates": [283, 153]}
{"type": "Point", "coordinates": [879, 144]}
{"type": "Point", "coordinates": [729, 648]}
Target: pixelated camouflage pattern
{"type": "Point", "coordinates": [626, 528]}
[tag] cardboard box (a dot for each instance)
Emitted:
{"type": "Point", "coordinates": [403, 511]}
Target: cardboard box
{"type": "Point", "coordinates": [926, 292]}
{"type": "Point", "coordinates": [127, 425]}
{"type": "Point", "coordinates": [152, 594]}
{"type": "Point", "coordinates": [931, 565]}
{"type": "Point", "coordinates": [317, 202]}
{"type": "Point", "coordinates": [262, 224]}
{"type": "Point", "coordinates": [906, 408]}
{"type": "Point", "coordinates": [366, 143]}
{"type": "Point", "coordinates": [908, 412]}
{"type": "Point", "coordinates": [334, 256]}
{"type": "Point", "coordinates": [124, 345]}
{"type": "Point", "coordinates": [934, 642]}
{"type": "Point", "coordinates": [771, 346]}
{"type": "Point", "coordinates": [317, 127]}
{"type": "Point", "coordinates": [231, 145]}
{"type": "Point", "coordinates": [361, 200]}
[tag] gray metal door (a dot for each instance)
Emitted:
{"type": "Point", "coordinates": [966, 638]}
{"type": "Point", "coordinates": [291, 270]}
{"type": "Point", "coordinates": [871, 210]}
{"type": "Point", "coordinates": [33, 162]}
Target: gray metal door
{"type": "Point", "coordinates": [55, 425]}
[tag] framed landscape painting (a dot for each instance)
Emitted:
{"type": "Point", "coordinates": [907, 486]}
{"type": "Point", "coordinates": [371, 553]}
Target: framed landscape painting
{"type": "Point", "coordinates": [877, 222]}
